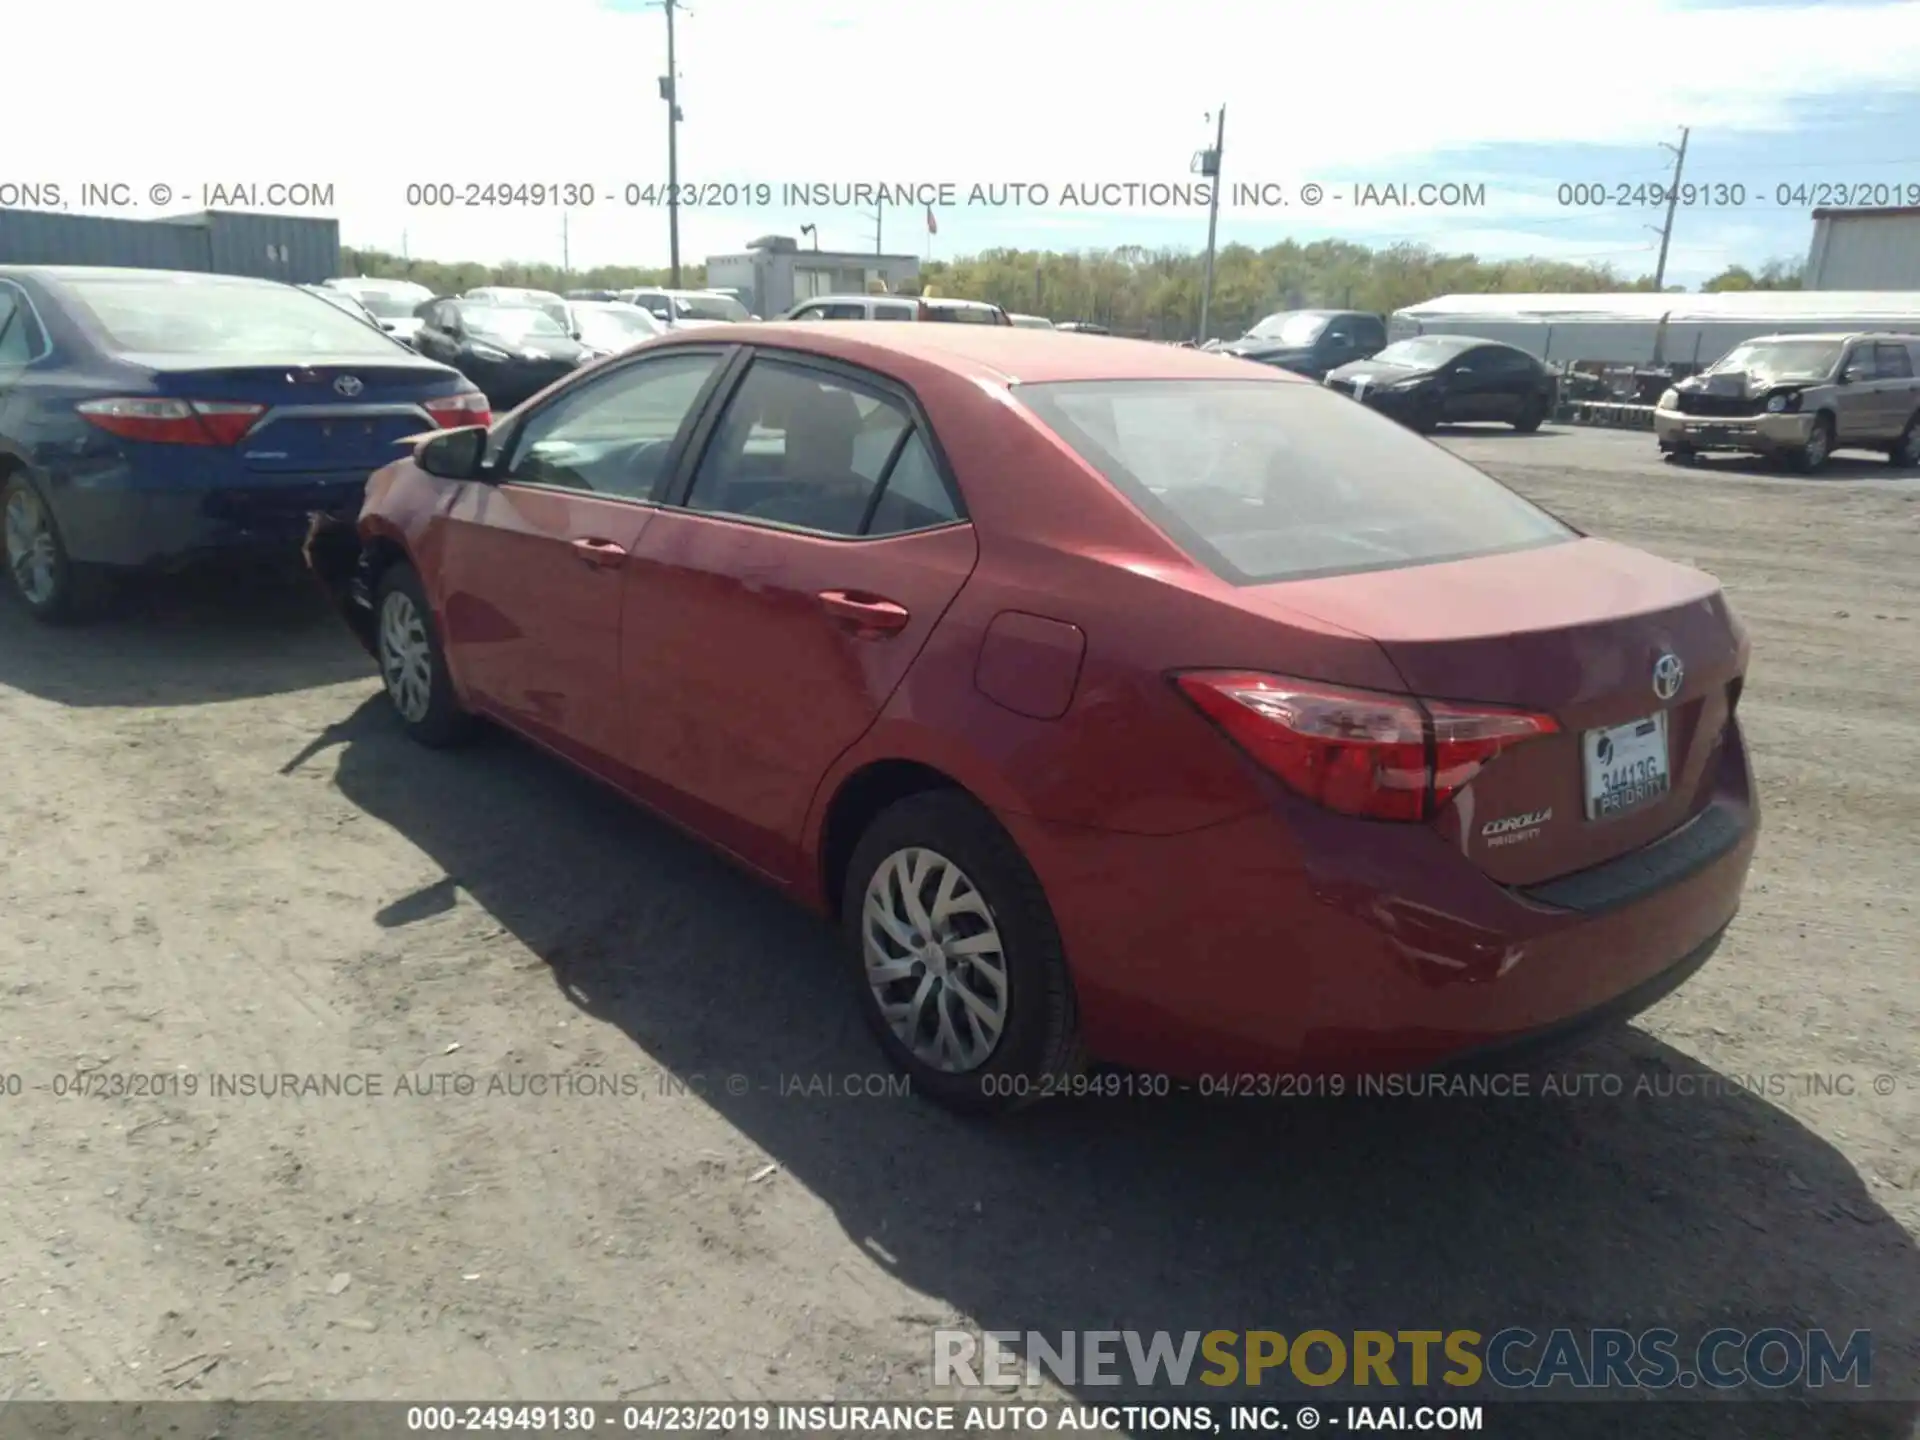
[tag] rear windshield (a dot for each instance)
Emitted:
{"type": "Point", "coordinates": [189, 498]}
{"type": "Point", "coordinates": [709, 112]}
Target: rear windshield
{"type": "Point", "coordinates": [709, 307]}
{"type": "Point", "coordinates": [195, 316]}
{"type": "Point", "coordinates": [1264, 480]}
{"type": "Point", "coordinates": [391, 304]}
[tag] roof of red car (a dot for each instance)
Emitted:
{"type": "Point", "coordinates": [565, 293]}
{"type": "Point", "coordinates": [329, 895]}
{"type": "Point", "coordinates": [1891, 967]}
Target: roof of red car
{"type": "Point", "coordinates": [1009, 354]}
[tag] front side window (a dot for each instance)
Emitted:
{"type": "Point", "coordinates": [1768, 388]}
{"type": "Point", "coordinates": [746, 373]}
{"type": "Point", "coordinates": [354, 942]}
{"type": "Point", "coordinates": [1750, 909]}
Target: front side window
{"type": "Point", "coordinates": [801, 448]}
{"type": "Point", "coordinates": [1891, 362]}
{"type": "Point", "coordinates": [613, 435]}
{"type": "Point", "coordinates": [1263, 481]}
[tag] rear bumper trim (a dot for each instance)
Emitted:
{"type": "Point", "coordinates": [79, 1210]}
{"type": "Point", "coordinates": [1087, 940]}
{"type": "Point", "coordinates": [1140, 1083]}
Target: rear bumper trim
{"type": "Point", "coordinates": [1532, 1046]}
{"type": "Point", "coordinates": [1667, 861]}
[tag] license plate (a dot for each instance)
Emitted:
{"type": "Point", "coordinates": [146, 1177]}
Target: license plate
{"type": "Point", "coordinates": [1626, 766]}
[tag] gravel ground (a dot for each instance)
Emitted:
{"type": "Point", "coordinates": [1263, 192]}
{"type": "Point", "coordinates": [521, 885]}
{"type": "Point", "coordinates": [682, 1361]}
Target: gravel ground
{"type": "Point", "coordinates": [222, 861]}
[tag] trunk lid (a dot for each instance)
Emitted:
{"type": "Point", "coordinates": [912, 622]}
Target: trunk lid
{"type": "Point", "coordinates": [321, 418]}
{"type": "Point", "coordinates": [1575, 631]}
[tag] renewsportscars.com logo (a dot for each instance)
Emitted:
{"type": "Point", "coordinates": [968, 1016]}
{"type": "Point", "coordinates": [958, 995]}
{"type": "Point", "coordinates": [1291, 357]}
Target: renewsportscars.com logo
{"type": "Point", "coordinates": [1514, 1358]}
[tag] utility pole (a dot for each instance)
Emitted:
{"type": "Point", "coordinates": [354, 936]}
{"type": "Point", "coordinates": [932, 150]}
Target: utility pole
{"type": "Point", "coordinates": [566, 249]}
{"type": "Point", "coordinates": [670, 92]}
{"type": "Point", "coordinates": [1673, 200]}
{"type": "Point", "coordinates": [1207, 162]}
{"type": "Point", "coordinates": [879, 215]}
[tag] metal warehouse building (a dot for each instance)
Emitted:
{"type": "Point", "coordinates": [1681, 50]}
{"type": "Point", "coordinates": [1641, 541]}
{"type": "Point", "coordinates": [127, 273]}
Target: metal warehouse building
{"type": "Point", "coordinates": [776, 274]}
{"type": "Point", "coordinates": [1864, 250]}
{"type": "Point", "coordinates": [1654, 328]}
{"type": "Point", "coordinates": [298, 249]}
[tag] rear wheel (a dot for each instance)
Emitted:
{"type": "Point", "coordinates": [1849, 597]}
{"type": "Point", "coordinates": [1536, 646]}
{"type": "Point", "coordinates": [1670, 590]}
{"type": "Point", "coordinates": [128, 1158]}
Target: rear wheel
{"type": "Point", "coordinates": [960, 968]}
{"type": "Point", "coordinates": [1906, 450]}
{"type": "Point", "coordinates": [1532, 415]}
{"type": "Point", "coordinates": [41, 574]}
{"type": "Point", "coordinates": [1817, 451]}
{"type": "Point", "coordinates": [412, 664]}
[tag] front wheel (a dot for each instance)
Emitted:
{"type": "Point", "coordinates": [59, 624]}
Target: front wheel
{"type": "Point", "coordinates": [1677, 455]}
{"type": "Point", "coordinates": [960, 968]}
{"type": "Point", "coordinates": [413, 667]}
{"type": "Point", "coordinates": [1814, 455]}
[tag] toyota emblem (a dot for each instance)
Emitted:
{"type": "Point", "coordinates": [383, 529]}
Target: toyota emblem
{"type": "Point", "coordinates": [1668, 675]}
{"type": "Point", "coordinates": [349, 385]}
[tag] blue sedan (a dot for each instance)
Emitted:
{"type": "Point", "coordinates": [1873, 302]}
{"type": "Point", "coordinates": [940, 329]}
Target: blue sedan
{"type": "Point", "coordinates": [153, 418]}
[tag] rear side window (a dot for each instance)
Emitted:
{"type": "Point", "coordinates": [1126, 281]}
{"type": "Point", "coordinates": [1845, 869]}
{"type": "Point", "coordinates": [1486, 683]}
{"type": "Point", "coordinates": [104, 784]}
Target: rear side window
{"type": "Point", "coordinates": [964, 314]}
{"type": "Point", "coordinates": [1263, 481]}
{"type": "Point", "coordinates": [197, 316]}
{"type": "Point", "coordinates": [1892, 362]}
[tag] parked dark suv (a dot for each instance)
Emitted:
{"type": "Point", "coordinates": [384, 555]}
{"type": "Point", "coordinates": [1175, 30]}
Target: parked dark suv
{"type": "Point", "coordinates": [1312, 342]}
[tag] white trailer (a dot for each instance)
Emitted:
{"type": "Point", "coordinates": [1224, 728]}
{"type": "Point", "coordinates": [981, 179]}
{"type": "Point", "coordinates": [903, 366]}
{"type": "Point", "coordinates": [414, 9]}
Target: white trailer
{"type": "Point", "coordinates": [1649, 328]}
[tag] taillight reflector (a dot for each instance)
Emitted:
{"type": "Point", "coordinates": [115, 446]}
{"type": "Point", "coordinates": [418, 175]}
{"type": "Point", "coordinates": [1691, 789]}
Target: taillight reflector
{"type": "Point", "coordinates": [451, 412]}
{"type": "Point", "coordinates": [173, 422]}
{"type": "Point", "coordinates": [1383, 757]}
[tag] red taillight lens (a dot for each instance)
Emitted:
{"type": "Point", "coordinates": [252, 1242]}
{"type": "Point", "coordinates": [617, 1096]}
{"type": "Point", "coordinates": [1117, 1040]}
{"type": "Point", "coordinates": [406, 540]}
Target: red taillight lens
{"type": "Point", "coordinates": [173, 422]}
{"type": "Point", "coordinates": [1383, 757]}
{"type": "Point", "coordinates": [451, 412]}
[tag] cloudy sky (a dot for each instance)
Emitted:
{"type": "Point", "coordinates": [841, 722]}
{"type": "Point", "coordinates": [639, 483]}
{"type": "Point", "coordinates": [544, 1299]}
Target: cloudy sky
{"type": "Point", "coordinates": [1557, 111]}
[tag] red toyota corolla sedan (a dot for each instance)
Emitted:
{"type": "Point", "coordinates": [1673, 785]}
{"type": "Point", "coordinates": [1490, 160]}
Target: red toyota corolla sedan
{"type": "Point", "coordinates": [1119, 701]}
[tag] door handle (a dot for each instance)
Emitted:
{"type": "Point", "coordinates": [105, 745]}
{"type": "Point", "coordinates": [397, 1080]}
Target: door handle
{"type": "Point", "coordinates": [869, 617]}
{"type": "Point", "coordinates": [600, 554]}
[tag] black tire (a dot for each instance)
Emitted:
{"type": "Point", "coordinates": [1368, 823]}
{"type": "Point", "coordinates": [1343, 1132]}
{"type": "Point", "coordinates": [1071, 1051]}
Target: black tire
{"type": "Point", "coordinates": [1678, 455]}
{"type": "Point", "coordinates": [1531, 418]}
{"type": "Point", "coordinates": [1812, 457]}
{"type": "Point", "coordinates": [1905, 452]}
{"type": "Point", "coordinates": [77, 592]}
{"type": "Point", "coordinates": [1038, 1045]}
{"type": "Point", "coordinates": [440, 722]}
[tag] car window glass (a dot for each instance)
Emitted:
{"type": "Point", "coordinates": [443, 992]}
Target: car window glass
{"type": "Point", "coordinates": [1263, 481]}
{"type": "Point", "coordinates": [798, 448]}
{"type": "Point", "coordinates": [914, 497]}
{"type": "Point", "coordinates": [844, 312]}
{"type": "Point", "coordinates": [1893, 362]}
{"type": "Point", "coordinates": [893, 312]}
{"type": "Point", "coordinates": [16, 343]}
{"type": "Point", "coordinates": [612, 435]}
{"type": "Point", "coordinates": [812, 312]}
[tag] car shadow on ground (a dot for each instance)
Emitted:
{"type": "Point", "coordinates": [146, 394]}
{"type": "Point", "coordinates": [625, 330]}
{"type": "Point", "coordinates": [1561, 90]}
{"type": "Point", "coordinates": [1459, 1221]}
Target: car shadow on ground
{"type": "Point", "coordinates": [1174, 1214]}
{"type": "Point", "coordinates": [1844, 466]}
{"type": "Point", "coordinates": [185, 640]}
{"type": "Point", "coordinates": [1490, 430]}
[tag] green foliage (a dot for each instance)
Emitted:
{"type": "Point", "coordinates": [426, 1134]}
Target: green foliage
{"type": "Point", "coordinates": [445, 277]}
{"type": "Point", "coordinates": [1774, 275]}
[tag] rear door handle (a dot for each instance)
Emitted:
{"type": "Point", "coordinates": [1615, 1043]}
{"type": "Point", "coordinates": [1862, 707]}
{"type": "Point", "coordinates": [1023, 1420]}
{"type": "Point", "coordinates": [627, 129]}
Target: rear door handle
{"type": "Point", "coordinates": [869, 617]}
{"type": "Point", "coordinates": [601, 554]}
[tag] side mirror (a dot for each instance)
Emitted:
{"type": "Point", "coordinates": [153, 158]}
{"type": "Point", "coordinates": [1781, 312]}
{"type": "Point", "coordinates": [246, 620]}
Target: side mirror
{"type": "Point", "coordinates": [453, 454]}
{"type": "Point", "coordinates": [1463, 369]}
{"type": "Point", "coordinates": [1851, 374]}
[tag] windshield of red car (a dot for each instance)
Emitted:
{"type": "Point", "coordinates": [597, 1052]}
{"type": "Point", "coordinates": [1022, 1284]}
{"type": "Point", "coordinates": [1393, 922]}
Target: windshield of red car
{"type": "Point", "coordinates": [1265, 480]}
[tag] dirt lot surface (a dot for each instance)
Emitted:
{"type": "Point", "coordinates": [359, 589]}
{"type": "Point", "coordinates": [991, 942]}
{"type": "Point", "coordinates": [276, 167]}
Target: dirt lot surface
{"type": "Point", "coordinates": [222, 861]}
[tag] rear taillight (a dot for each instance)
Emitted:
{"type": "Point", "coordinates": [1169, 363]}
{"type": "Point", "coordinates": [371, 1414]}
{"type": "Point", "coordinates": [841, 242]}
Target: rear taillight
{"type": "Point", "coordinates": [451, 412]}
{"type": "Point", "coordinates": [1383, 757]}
{"type": "Point", "coordinates": [173, 422]}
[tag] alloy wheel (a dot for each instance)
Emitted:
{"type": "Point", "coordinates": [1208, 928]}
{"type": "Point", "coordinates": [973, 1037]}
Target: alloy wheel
{"type": "Point", "coordinates": [406, 657]}
{"type": "Point", "coordinates": [32, 552]}
{"type": "Point", "coordinates": [934, 960]}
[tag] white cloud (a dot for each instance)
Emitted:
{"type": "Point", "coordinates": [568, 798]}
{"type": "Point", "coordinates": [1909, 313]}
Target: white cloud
{"type": "Point", "coordinates": [373, 94]}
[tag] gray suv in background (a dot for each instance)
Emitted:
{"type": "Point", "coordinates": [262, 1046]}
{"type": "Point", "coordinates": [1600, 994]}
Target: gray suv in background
{"type": "Point", "coordinates": [1799, 398]}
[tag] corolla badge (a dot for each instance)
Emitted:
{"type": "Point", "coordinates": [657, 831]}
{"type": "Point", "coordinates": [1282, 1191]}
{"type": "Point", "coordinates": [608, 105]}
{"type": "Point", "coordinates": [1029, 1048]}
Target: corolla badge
{"type": "Point", "coordinates": [1668, 676]}
{"type": "Point", "coordinates": [1515, 829]}
{"type": "Point", "coordinates": [349, 385]}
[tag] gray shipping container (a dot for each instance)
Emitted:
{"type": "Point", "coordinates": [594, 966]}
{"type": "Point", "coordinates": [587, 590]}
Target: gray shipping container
{"type": "Point", "coordinates": [298, 249]}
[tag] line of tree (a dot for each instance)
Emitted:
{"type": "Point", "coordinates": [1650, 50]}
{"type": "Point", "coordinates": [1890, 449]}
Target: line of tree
{"type": "Point", "coordinates": [1137, 291]}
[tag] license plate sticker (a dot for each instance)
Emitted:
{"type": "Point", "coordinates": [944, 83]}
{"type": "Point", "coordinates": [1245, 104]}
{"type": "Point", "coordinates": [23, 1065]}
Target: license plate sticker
{"type": "Point", "coordinates": [1626, 766]}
